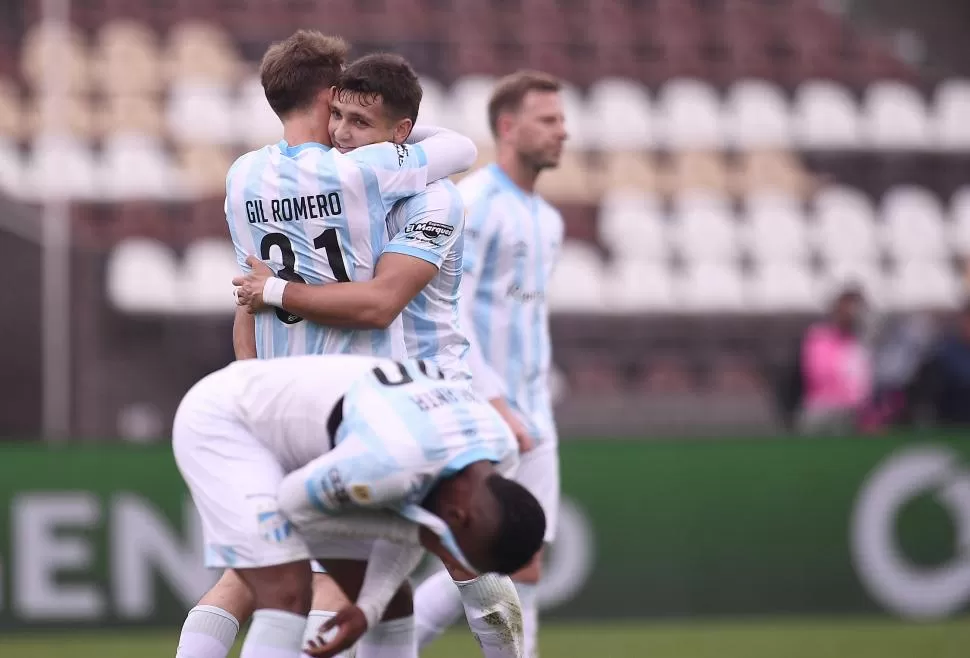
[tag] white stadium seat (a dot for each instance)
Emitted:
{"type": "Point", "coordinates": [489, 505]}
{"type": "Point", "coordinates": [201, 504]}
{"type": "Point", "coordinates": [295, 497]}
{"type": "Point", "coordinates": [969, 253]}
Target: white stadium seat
{"type": "Point", "coordinates": [757, 116]}
{"type": "Point", "coordinates": [60, 167]}
{"type": "Point", "coordinates": [690, 116]}
{"type": "Point", "coordinates": [633, 227]}
{"type": "Point", "coordinates": [469, 100]}
{"type": "Point", "coordinates": [950, 112]}
{"type": "Point", "coordinates": [705, 233]}
{"type": "Point", "coordinates": [896, 117]}
{"type": "Point", "coordinates": [781, 287]}
{"type": "Point", "coordinates": [577, 282]}
{"type": "Point", "coordinates": [960, 220]}
{"type": "Point", "coordinates": [639, 287]}
{"type": "Point", "coordinates": [776, 232]}
{"type": "Point", "coordinates": [825, 117]}
{"type": "Point", "coordinates": [912, 226]}
{"type": "Point", "coordinates": [256, 124]}
{"type": "Point", "coordinates": [207, 273]}
{"type": "Point", "coordinates": [620, 116]}
{"type": "Point", "coordinates": [434, 104]}
{"type": "Point", "coordinates": [142, 277]}
{"type": "Point", "coordinates": [866, 274]}
{"type": "Point", "coordinates": [924, 285]}
{"type": "Point", "coordinates": [712, 287]}
{"type": "Point", "coordinates": [134, 167]}
{"type": "Point", "coordinates": [11, 169]}
{"type": "Point", "coordinates": [200, 113]}
{"type": "Point", "coordinates": [844, 227]}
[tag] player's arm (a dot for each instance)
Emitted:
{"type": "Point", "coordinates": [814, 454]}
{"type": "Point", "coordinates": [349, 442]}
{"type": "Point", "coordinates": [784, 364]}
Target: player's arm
{"type": "Point", "coordinates": [403, 170]}
{"type": "Point", "coordinates": [244, 334]}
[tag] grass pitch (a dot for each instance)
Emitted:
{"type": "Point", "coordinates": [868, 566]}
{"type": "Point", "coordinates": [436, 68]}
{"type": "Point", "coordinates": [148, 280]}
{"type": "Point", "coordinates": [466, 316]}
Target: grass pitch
{"type": "Point", "coordinates": [747, 639]}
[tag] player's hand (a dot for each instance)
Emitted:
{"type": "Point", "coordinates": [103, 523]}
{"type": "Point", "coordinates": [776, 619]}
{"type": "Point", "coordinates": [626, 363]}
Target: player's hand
{"type": "Point", "coordinates": [521, 432]}
{"type": "Point", "coordinates": [350, 623]}
{"type": "Point", "coordinates": [249, 291]}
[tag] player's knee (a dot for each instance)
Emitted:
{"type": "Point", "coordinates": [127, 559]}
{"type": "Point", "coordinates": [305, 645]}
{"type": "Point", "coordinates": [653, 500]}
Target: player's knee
{"type": "Point", "coordinates": [401, 605]}
{"type": "Point", "coordinates": [532, 572]}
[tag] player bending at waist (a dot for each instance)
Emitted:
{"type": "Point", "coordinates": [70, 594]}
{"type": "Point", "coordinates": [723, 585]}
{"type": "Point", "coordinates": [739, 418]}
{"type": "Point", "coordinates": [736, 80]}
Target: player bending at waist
{"type": "Point", "coordinates": [330, 457]}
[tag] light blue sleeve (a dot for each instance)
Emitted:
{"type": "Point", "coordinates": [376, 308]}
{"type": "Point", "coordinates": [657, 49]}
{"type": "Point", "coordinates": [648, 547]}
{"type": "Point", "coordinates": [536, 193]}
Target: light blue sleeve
{"type": "Point", "coordinates": [391, 171]}
{"type": "Point", "coordinates": [429, 224]}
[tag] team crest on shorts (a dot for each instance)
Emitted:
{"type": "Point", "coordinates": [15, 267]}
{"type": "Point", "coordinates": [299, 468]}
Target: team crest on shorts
{"type": "Point", "coordinates": [360, 493]}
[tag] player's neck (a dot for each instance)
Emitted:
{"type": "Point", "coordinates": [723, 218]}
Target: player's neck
{"type": "Point", "coordinates": [524, 177]}
{"type": "Point", "coordinates": [304, 129]}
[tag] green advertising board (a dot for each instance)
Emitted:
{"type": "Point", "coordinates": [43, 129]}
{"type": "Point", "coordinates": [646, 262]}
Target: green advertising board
{"type": "Point", "coordinates": [107, 535]}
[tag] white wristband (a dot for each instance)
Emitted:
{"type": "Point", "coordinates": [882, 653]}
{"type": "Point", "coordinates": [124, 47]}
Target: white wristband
{"type": "Point", "coordinates": [273, 291]}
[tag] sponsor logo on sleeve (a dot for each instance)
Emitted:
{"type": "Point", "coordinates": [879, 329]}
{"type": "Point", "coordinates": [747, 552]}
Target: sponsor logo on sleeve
{"type": "Point", "coordinates": [427, 231]}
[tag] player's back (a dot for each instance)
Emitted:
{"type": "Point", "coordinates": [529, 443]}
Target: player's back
{"type": "Point", "coordinates": [430, 226]}
{"type": "Point", "coordinates": [317, 215]}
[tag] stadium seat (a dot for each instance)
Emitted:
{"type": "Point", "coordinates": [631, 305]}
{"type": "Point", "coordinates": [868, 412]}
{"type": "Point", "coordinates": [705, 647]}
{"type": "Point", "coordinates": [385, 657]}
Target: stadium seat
{"type": "Point", "coordinates": [776, 232]}
{"type": "Point", "coordinates": [571, 182]}
{"type": "Point", "coordinates": [469, 102]}
{"type": "Point", "coordinates": [628, 170]}
{"type": "Point", "coordinates": [639, 287]}
{"type": "Point", "coordinates": [632, 227]}
{"type": "Point", "coordinates": [712, 287]}
{"type": "Point", "coordinates": [690, 116]}
{"type": "Point", "coordinates": [11, 111]}
{"type": "Point", "coordinates": [200, 113]}
{"type": "Point", "coordinates": [705, 234]}
{"type": "Point", "coordinates": [256, 124]}
{"type": "Point", "coordinates": [72, 115]}
{"type": "Point", "coordinates": [696, 171]}
{"type": "Point", "coordinates": [865, 274]}
{"type": "Point", "coordinates": [127, 60]}
{"type": "Point", "coordinates": [207, 273]}
{"type": "Point", "coordinates": [577, 283]}
{"type": "Point", "coordinates": [825, 117]}
{"type": "Point", "coordinates": [434, 104]}
{"type": "Point", "coordinates": [130, 115]}
{"type": "Point", "coordinates": [844, 227]}
{"type": "Point", "coordinates": [619, 116]}
{"type": "Point", "coordinates": [60, 167]}
{"type": "Point", "coordinates": [63, 49]}
{"type": "Point", "coordinates": [574, 108]}
{"type": "Point", "coordinates": [757, 116]}
{"type": "Point", "coordinates": [142, 277]}
{"type": "Point", "coordinates": [771, 171]}
{"type": "Point", "coordinates": [924, 285]}
{"type": "Point", "coordinates": [135, 167]}
{"type": "Point", "coordinates": [951, 109]}
{"type": "Point", "coordinates": [784, 287]}
{"type": "Point", "coordinates": [11, 169]}
{"type": "Point", "coordinates": [912, 226]}
{"type": "Point", "coordinates": [895, 117]}
{"type": "Point", "coordinates": [201, 53]}
{"type": "Point", "coordinates": [202, 171]}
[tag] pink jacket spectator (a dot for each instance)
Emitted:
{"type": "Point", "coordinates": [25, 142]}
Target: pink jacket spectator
{"type": "Point", "coordinates": [837, 369]}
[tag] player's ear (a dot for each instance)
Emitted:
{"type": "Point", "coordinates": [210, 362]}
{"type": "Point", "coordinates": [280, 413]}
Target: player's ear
{"type": "Point", "coordinates": [504, 124]}
{"type": "Point", "coordinates": [456, 517]}
{"type": "Point", "coordinates": [402, 130]}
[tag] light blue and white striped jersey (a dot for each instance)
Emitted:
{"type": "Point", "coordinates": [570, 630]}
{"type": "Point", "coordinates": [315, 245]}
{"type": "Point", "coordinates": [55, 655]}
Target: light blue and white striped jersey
{"type": "Point", "coordinates": [315, 215]}
{"type": "Point", "coordinates": [430, 225]}
{"type": "Point", "coordinates": [512, 242]}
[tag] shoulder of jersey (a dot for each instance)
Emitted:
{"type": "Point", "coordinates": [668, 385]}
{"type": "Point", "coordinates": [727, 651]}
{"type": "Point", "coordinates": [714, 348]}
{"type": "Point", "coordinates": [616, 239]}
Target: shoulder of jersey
{"type": "Point", "coordinates": [478, 185]}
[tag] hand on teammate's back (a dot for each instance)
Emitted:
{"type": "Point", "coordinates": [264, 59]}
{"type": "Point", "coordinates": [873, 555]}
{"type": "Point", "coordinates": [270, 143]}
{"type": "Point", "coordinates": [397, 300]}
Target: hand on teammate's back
{"type": "Point", "coordinates": [521, 432]}
{"type": "Point", "coordinates": [249, 292]}
{"type": "Point", "coordinates": [351, 624]}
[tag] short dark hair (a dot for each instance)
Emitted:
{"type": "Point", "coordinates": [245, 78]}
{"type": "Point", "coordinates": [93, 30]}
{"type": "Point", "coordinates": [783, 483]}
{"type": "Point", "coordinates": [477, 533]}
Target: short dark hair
{"type": "Point", "coordinates": [522, 526]}
{"type": "Point", "coordinates": [295, 70]}
{"type": "Point", "coordinates": [511, 90]}
{"type": "Point", "coordinates": [384, 75]}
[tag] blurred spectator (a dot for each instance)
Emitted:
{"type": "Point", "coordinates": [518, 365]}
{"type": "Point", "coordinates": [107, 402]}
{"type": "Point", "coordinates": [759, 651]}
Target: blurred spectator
{"type": "Point", "coordinates": [836, 368]}
{"type": "Point", "coordinates": [943, 386]}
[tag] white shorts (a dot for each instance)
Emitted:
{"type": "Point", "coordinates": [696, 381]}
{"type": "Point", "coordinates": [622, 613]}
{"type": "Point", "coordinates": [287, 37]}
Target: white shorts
{"type": "Point", "coordinates": [341, 549]}
{"type": "Point", "coordinates": [539, 473]}
{"type": "Point", "coordinates": [233, 480]}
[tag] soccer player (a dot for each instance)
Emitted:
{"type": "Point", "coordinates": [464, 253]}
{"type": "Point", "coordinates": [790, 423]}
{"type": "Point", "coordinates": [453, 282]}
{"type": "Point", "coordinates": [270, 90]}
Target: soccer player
{"type": "Point", "coordinates": [347, 446]}
{"type": "Point", "coordinates": [319, 216]}
{"type": "Point", "coordinates": [512, 240]}
{"type": "Point", "coordinates": [418, 273]}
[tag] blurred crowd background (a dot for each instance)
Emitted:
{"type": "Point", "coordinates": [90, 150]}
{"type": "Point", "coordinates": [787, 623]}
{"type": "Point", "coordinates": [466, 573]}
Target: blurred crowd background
{"type": "Point", "coordinates": [734, 166]}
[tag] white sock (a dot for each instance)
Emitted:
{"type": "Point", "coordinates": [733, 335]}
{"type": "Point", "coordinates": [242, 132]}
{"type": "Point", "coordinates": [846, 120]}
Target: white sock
{"type": "Point", "coordinates": [315, 620]}
{"type": "Point", "coordinates": [274, 634]}
{"type": "Point", "coordinates": [389, 639]}
{"type": "Point", "coordinates": [437, 605]}
{"type": "Point", "coordinates": [494, 615]}
{"type": "Point", "coordinates": [208, 632]}
{"type": "Point", "coordinates": [528, 597]}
